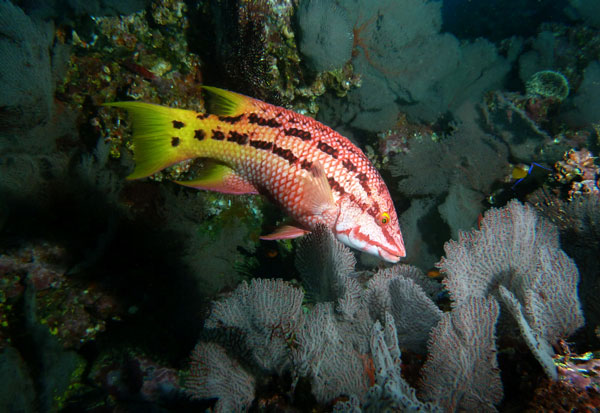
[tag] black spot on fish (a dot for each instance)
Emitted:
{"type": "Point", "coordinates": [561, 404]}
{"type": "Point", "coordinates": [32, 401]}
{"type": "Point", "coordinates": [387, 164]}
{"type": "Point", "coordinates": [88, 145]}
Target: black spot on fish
{"type": "Point", "coordinates": [231, 119]}
{"type": "Point", "coordinates": [306, 165]}
{"type": "Point", "coordinates": [322, 146]}
{"type": "Point", "coordinates": [199, 134]}
{"type": "Point", "coordinates": [286, 154]}
{"type": "Point", "coordinates": [202, 116]}
{"type": "Point", "coordinates": [175, 141]}
{"type": "Point", "coordinates": [178, 125]}
{"type": "Point", "coordinates": [302, 134]}
{"type": "Point", "coordinates": [239, 138]}
{"type": "Point", "coordinates": [349, 165]}
{"type": "Point", "coordinates": [218, 135]}
{"type": "Point", "coordinates": [261, 144]}
{"type": "Point", "coordinates": [334, 185]}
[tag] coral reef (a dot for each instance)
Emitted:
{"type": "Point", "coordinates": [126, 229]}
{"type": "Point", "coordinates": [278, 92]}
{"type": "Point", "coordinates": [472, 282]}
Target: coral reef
{"type": "Point", "coordinates": [398, 48]}
{"type": "Point", "coordinates": [586, 101]}
{"type": "Point", "coordinates": [214, 374]}
{"type": "Point", "coordinates": [548, 84]}
{"type": "Point", "coordinates": [576, 387]}
{"type": "Point", "coordinates": [517, 120]}
{"type": "Point", "coordinates": [132, 376]}
{"type": "Point", "coordinates": [326, 35]}
{"type": "Point", "coordinates": [317, 253]}
{"type": "Point", "coordinates": [391, 391]}
{"type": "Point", "coordinates": [406, 294]}
{"type": "Point", "coordinates": [337, 351]}
{"type": "Point", "coordinates": [25, 70]}
{"type": "Point", "coordinates": [471, 381]}
{"type": "Point", "coordinates": [587, 10]}
{"type": "Point", "coordinates": [109, 287]}
{"type": "Point", "coordinates": [517, 252]}
{"type": "Point", "coordinates": [579, 170]}
{"type": "Point", "coordinates": [578, 222]}
{"type": "Point", "coordinates": [267, 312]}
{"type": "Point", "coordinates": [460, 172]}
{"type": "Point", "coordinates": [449, 163]}
{"type": "Point", "coordinates": [70, 311]}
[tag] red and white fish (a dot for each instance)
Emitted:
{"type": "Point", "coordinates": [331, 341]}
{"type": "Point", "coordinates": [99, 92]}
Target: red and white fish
{"type": "Point", "coordinates": [314, 173]}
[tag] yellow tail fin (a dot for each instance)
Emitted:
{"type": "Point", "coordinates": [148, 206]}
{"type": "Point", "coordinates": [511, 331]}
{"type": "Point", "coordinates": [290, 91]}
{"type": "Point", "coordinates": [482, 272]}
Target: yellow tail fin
{"type": "Point", "coordinates": [162, 136]}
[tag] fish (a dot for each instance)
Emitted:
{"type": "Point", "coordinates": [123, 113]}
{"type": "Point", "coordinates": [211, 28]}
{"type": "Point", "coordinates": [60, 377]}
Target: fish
{"type": "Point", "coordinates": [314, 174]}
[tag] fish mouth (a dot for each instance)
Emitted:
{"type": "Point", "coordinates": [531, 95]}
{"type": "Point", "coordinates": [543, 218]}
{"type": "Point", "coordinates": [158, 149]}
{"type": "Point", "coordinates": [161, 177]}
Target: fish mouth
{"type": "Point", "coordinates": [388, 256]}
{"type": "Point", "coordinates": [378, 250]}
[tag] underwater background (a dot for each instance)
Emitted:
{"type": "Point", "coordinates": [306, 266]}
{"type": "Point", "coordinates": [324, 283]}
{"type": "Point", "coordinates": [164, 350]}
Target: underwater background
{"type": "Point", "coordinates": [483, 117]}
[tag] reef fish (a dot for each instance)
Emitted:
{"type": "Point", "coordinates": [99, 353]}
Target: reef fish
{"type": "Point", "coordinates": [313, 173]}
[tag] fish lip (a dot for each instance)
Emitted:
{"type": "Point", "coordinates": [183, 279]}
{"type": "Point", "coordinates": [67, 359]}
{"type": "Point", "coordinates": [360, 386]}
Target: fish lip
{"type": "Point", "coordinates": [388, 256]}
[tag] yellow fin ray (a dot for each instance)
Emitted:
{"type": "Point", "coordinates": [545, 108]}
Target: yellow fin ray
{"type": "Point", "coordinates": [225, 103]}
{"type": "Point", "coordinates": [221, 178]}
{"type": "Point", "coordinates": [162, 136]}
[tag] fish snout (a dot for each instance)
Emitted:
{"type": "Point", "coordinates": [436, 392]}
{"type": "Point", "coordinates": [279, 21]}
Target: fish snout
{"type": "Point", "coordinates": [392, 256]}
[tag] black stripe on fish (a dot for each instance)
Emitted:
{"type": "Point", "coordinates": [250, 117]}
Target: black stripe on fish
{"type": "Point", "coordinates": [286, 154]}
{"type": "Point", "coordinates": [261, 144]}
{"type": "Point", "coordinates": [335, 185]}
{"type": "Point", "coordinates": [239, 138]}
{"type": "Point", "coordinates": [254, 118]}
{"type": "Point", "coordinates": [299, 133]}
{"type": "Point", "coordinates": [306, 165]}
{"type": "Point", "coordinates": [364, 182]}
{"type": "Point", "coordinates": [231, 119]}
{"type": "Point", "coordinates": [348, 165]}
{"type": "Point", "coordinates": [329, 150]}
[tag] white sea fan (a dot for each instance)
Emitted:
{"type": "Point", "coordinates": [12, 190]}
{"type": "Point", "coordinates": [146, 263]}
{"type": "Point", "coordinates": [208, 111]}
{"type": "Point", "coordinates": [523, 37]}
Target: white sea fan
{"type": "Point", "coordinates": [213, 374]}
{"type": "Point", "coordinates": [326, 34]}
{"type": "Point", "coordinates": [517, 250]}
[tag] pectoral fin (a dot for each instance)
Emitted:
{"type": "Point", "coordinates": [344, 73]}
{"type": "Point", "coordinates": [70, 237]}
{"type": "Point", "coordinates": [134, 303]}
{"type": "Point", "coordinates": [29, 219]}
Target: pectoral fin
{"type": "Point", "coordinates": [285, 232]}
{"type": "Point", "coordinates": [317, 196]}
{"type": "Point", "coordinates": [221, 178]}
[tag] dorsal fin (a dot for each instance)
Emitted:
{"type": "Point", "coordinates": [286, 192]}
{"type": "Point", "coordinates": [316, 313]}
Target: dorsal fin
{"type": "Point", "coordinates": [222, 102]}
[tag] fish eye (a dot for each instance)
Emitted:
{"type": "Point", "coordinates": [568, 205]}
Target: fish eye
{"type": "Point", "coordinates": [384, 218]}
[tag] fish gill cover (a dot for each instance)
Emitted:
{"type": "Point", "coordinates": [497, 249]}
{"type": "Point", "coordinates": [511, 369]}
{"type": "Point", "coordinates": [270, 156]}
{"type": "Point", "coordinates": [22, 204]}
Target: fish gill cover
{"type": "Point", "coordinates": [144, 294]}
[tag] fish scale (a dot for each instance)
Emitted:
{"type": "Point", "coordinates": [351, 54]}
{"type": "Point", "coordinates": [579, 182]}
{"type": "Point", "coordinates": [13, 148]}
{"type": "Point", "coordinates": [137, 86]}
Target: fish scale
{"type": "Point", "coordinates": [281, 176]}
{"type": "Point", "coordinates": [313, 173]}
